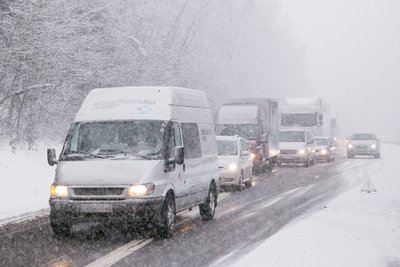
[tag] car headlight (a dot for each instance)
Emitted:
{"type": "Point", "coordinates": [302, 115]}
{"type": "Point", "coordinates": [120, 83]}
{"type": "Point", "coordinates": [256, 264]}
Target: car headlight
{"type": "Point", "coordinates": [141, 190]}
{"type": "Point", "coordinates": [253, 156]}
{"type": "Point", "coordinates": [232, 166]}
{"type": "Point", "coordinates": [324, 151]}
{"type": "Point", "coordinates": [350, 146]}
{"type": "Point", "coordinates": [302, 151]}
{"type": "Point", "coordinates": [373, 146]}
{"type": "Point", "coordinates": [58, 191]}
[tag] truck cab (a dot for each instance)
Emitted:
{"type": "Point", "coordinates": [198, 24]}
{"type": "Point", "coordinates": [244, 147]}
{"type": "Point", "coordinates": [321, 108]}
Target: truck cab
{"type": "Point", "coordinates": [257, 121]}
{"type": "Point", "coordinates": [296, 147]}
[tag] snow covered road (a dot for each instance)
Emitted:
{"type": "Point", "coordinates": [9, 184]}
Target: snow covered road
{"type": "Point", "coordinates": [244, 220]}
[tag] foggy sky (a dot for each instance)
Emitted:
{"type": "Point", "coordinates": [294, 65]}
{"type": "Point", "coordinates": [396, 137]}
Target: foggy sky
{"type": "Point", "coordinates": [352, 56]}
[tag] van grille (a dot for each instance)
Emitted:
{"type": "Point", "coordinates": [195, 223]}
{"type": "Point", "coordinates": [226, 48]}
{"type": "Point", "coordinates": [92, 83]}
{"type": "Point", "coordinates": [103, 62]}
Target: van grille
{"type": "Point", "coordinates": [98, 191]}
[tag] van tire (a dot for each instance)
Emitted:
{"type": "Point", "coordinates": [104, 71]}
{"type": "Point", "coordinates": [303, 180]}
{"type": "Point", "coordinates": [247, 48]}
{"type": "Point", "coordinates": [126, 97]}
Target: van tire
{"type": "Point", "coordinates": [61, 229]}
{"type": "Point", "coordinates": [307, 163]}
{"type": "Point", "coordinates": [166, 225]}
{"type": "Point", "coordinates": [207, 209]}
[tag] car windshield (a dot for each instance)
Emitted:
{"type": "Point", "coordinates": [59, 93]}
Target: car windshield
{"type": "Point", "coordinates": [109, 138]}
{"type": "Point", "coordinates": [291, 136]}
{"type": "Point", "coordinates": [247, 131]}
{"type": "Point", "coordinates": [321, 141]}
{"type": "Point", "coordinates": [227, 148]}
{"type": "Point", "coordinates": [363, 136]}
{"type": "Point", "coordinates": [299, 120]}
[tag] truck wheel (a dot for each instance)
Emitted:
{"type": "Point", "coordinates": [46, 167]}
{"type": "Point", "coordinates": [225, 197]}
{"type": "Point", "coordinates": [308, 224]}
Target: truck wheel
{"type": "Point", "coordinates": [207, 209]}
{"type": "Point", "coordinates": [166, 226]}
{"type": "Point", "coordinates": [61, 229]}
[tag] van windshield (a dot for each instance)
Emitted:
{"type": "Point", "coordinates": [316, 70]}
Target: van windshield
{"type": "Point", "coordinates": [291, 136]}
{"type": "Point", "coordinates": [105, 139]}
{"type": "Point", "coordinates": [246, 131]}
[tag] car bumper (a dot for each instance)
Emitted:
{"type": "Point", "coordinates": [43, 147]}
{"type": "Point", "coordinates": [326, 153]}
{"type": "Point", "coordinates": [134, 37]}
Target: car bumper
{"type": "Point", "coordinates": [363, 152]}
{"type": "Point", "coordinates": [106, 210]}
{"type": "Point", "coordinates": [227, 178]}
{"type": "Point", "coordinates": [292, 159]}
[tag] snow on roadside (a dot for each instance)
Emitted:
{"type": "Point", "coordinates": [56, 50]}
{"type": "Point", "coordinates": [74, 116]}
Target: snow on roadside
{"type": "Point", "coordinates": [25, 181]}
{"type": "Point", "coordinates": [355, 229]}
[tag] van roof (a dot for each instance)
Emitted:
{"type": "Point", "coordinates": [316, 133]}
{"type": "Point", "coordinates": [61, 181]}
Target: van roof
{"type": "Point", "coordinates": [119, 103]}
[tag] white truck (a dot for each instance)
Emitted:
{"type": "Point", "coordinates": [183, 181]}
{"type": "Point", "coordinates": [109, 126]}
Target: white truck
{"type": "Point", "coordinates": [311, 113]}
{"type": "Point", "coordinates": [257, 121]}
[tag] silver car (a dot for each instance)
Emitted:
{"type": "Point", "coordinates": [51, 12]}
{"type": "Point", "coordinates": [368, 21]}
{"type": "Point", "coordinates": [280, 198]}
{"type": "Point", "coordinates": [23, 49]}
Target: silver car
{"type": "Point", "coordinates": [366, 144]}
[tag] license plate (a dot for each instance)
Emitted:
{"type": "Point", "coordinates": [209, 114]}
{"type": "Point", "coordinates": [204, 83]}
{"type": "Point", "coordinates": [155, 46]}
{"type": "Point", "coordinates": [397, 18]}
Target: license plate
{"type": "Point", "coordinates": [96, 208]}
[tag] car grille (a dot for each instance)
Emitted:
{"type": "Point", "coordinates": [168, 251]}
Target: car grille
{"type": "Point", "coordinates": [98, 191]}
{"type": "Point", "coordinates": [361, 147]}
{"type": "Point", "coordinates": [288, 151]}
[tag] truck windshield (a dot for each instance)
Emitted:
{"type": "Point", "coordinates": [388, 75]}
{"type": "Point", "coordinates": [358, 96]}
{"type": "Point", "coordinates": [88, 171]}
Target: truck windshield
{"type": "Point", "coordinates": [291, 136]}
{"type": "Point", "coordinates": [246, 131]}
{"type": "Point", "coordinates": [299, 120]}
{"type": "Point", "coordinates": [227, 148]}
{"type": "Point", "coordinates": [141, 138]}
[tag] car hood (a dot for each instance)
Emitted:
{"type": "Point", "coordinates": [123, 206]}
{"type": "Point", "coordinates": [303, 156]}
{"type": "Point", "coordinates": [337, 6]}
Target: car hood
{"type": "Point", "coordinates": [291, 145]}
{"type": "Point", "coordinates": [225, 160]}
{"type": "Point", "coordinates": [321, 147]}
{"type": "Point", "coordinates": [363, 142]}
{"type": "Point", "coordinates": [107, 172]}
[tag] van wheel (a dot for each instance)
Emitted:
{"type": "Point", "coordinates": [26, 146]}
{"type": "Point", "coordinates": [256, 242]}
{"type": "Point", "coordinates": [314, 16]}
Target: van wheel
{"type": "Point", "coordinates": [249, 183]}
{"type": "Point", "coordinates": [207, 209]}
{"type": "Point", "coordinates": [61, 229]}
{"type": "Point", "coordinates": [166, 226]}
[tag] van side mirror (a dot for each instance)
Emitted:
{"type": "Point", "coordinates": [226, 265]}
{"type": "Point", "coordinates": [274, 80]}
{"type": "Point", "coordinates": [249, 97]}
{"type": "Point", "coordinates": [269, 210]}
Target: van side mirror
{"type": "Point", "coordinates": [179, 153]}
{"type": "Point", "coordinates": [51, 156]}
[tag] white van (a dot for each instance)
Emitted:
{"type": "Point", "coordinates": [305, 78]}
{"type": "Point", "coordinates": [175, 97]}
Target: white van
{"type": "Point", "coordinates": [136, 154]}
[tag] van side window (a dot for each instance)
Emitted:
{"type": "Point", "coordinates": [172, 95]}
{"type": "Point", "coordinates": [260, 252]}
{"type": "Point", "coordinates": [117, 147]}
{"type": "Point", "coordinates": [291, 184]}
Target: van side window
{"type": "Point", "coordinates": [191, 140]}
{"type": "Point", "coordinates": [177, 133]}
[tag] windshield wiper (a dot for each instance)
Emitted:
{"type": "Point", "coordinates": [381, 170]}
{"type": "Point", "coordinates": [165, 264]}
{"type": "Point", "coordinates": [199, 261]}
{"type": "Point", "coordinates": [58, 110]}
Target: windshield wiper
{"type": "Point", "coordinates": [84, 155]}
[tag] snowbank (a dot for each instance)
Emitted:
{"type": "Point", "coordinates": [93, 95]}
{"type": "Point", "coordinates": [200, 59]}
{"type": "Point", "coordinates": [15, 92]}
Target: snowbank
{"type": "Point", "coordinates": [355, 229]}
{"type": "Point", "coordinates": [25, 181]}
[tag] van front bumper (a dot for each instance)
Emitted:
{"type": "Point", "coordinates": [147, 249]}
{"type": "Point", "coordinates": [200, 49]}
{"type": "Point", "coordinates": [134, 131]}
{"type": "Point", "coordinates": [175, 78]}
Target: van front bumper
{"type": "Point", "coordinates": [144, 209]}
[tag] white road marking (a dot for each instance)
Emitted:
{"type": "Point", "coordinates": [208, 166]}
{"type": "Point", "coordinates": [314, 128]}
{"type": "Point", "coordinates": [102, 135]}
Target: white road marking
{"type": "Point", "coordinates": [272, 202]}
{"type": "Point", "coordinates": [120, 253]}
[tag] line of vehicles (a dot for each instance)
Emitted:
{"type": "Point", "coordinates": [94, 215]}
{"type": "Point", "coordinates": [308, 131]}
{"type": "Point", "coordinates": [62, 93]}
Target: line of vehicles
{"type": "Point", "coordinates": [140, 155]}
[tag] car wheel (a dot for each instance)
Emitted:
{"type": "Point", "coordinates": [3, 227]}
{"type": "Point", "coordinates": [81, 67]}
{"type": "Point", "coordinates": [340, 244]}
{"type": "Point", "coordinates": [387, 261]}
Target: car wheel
{"type": "Point", "coordinates": [249, 183]}
{"type": "Point", "coordinates": [350, 156]}
{"type": "Point", "coordinates": [207, 209]}
{"type": "Point", "coordinates": [377, 156]}
{"type": "Point", "coordinates": [166, 225]}
{"type": "Point", "coordinates": [240, 185]}
{"type": "Point", "coordinates": [307, 163]}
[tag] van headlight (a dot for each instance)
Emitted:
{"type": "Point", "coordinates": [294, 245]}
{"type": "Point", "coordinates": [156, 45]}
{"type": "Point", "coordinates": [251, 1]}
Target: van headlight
{"type": "Point", "coordinates": [141, 190]}
{"type": "Point", "coordinates": [373, 146]}
{"type": "Point", "coordinates": [301, 151]}
{"type": "Point", "coordinates": [232, 166]}
{"type": "Point", "coordinates": [58, 191]}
